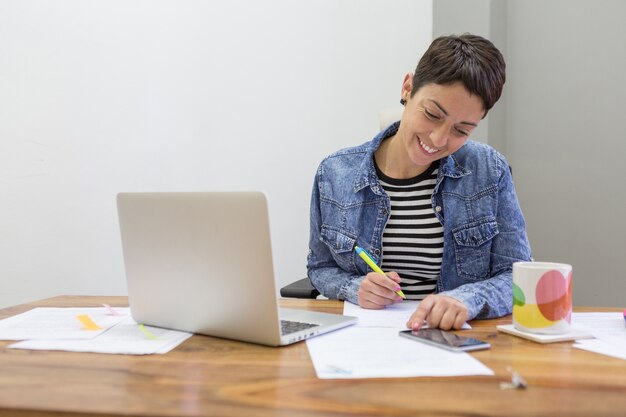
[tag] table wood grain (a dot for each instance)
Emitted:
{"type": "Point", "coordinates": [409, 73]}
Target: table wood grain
{"type": "Point", "coordinates": [207, 376]}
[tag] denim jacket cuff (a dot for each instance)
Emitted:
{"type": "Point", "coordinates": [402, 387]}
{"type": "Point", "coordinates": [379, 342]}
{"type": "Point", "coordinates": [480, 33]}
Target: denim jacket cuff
{"type": "Point", "coordinates": [350, 291]}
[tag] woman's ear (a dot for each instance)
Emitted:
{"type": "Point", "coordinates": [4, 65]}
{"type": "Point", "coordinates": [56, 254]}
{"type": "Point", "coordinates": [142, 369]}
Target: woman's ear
{"type": "Point", "coordinates": [407, 85]}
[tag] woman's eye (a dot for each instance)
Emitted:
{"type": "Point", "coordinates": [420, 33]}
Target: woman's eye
{"type": "Point", "coordinates": [461, 132]}
{"type": "Point", "coordinates": [431, 115]}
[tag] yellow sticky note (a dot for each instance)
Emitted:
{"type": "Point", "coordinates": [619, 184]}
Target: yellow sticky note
{"type": "Point", "coordinates": [88, 322]}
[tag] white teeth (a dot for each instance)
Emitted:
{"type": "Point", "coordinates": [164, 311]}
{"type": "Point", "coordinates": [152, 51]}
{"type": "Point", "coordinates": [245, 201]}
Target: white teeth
{"type": "Point", "coordinates": [427, 148]}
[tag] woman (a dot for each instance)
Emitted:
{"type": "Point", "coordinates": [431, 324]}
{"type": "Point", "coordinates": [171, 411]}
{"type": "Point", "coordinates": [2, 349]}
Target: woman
{"type": "Point", "coordinates": [437, 212]}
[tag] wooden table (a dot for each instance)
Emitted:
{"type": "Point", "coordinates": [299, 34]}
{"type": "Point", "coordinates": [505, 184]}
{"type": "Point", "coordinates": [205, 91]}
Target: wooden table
{"type": "Point", "coordinates": [207, 376]}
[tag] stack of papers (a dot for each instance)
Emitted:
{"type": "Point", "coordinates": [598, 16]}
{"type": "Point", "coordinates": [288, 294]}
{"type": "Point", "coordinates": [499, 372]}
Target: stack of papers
{"type": "Point", "coordinates": [609, 330]}
{"type": "Point", "coordinates": [100, 330]}
{"type": "Point", "coordinates": [603, 333]}
{"type": "Point", "coordinates": [373, 349]}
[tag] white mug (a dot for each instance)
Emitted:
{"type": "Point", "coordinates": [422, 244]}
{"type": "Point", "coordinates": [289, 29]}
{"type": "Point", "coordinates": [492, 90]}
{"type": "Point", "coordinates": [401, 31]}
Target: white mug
{"type": "Point", "coordinates": [542, 297]}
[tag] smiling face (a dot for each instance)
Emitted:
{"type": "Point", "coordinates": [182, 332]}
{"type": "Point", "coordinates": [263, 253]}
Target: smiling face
{"type": "Point", "coordinates": [435, 123]}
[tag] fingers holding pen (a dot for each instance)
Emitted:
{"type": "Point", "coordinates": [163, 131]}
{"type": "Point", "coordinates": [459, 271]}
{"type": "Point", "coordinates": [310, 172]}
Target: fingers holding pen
{"type": "Point", "coordinates": [377, 291]}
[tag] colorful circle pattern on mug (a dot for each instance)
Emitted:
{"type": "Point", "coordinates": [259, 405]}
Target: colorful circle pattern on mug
{"type": "Point", "coordinates": [554, 301]}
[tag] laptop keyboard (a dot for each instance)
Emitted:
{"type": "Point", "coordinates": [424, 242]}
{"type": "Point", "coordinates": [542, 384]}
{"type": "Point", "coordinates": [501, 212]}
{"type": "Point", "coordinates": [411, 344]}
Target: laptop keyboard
{"type": "Point", "coordinates": [288, 326]}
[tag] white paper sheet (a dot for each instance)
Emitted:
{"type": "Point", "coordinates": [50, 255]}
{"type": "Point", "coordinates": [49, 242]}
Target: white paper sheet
{"type": "Point", "coordinates": [601, 347]}
{"type": "Point", "coordinates": [602, 325]}
{"type": "Point", "coordinates": [373, 349]}
{"type": "Point", "coordinates": [59, 329]}
{"type": "Point", "coordinates": [609, 330]}
{"type": "Point", "coordinates": [58, 323]}
{"type": "Point", "coordinates": [124, 338]}
{"type": "Point", "coordinates": [378, 352]}
{"type": "Point", "coordinates": [394, 315]}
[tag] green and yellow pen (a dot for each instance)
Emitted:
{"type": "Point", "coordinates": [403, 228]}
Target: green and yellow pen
{"type": "Point", "coordinates": [368, 260]}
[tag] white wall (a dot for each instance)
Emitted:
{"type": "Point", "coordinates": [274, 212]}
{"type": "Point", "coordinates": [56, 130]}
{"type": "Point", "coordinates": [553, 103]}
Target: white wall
{"type": "Point", "coordinates": [109, 96]}
{"type": "Point", "coordinates": [560, 124]}
{"type": "Point", "coordinates": [566, 140]}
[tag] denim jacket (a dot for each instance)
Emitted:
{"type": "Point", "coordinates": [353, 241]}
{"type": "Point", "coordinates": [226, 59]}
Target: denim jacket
{"type": "Point", "coordinates": [474, 199]}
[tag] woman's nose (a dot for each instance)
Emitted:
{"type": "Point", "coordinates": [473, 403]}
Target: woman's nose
{"type": "Point", "coordinates": [439, 136]}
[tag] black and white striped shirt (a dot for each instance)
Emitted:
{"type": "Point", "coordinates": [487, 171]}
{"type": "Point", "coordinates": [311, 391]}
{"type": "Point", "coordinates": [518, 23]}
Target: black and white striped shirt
{"type": "Point", "coordinates": [413, 237]}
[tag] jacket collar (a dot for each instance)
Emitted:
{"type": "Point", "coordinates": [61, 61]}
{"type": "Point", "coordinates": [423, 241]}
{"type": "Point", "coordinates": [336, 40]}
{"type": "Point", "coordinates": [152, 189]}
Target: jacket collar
{"type": "Point", "coordinates": [450, 167]}
{"type": "Point", "coordinates": [366, 174]}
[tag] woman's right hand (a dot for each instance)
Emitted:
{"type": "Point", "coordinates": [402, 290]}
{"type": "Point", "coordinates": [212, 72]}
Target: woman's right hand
{"type": "Point", "coordinates": [376, 290]}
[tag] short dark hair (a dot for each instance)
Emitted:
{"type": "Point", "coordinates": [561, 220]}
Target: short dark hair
{"type": "Point", "coordinates": [471, 59]}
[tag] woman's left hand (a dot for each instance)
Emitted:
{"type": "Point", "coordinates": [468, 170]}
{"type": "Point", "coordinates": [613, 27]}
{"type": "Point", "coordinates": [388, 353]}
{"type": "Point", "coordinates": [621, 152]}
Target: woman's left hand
{"type": "Point", "coordinates": [439, 311]}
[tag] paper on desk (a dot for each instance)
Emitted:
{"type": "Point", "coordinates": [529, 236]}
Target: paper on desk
{"type": "Point", "coordinates": [394, 315]}
{"type": "Point", "coordinates": [373, 349]}
{"type": "Point", "coordinates": [58, 323]}
{"type": "Point", "coordinates": [379, 352]}
{"type": "Point", "coordinates": [124, 338]}
{"type": "Point", "coordinates": [609, 326]}
{"type": "Point", "coordinates": [601, 347]}
{"type": "Point", "coordinates": [609, 330]}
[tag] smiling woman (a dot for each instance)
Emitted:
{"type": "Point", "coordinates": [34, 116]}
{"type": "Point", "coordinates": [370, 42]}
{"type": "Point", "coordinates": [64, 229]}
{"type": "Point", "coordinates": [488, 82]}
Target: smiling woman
{"type": "Point", "coordinates": [438, 212]}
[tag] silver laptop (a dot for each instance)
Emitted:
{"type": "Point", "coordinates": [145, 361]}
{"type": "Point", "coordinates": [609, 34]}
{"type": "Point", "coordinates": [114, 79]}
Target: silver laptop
{"type": "Point", "coordinates": [202, 262]}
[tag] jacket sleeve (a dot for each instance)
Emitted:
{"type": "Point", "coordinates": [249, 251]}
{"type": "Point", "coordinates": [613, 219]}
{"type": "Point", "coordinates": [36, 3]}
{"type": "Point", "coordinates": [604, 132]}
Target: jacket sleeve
{"type": "Point", "coordinates": [325, 274]}
{"type": "Point", "coordinates": [493, 297]}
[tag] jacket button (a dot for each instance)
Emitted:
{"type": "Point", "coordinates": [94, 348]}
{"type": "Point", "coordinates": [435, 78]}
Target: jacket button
{"type": "Point", "coordinates": [438, 209]}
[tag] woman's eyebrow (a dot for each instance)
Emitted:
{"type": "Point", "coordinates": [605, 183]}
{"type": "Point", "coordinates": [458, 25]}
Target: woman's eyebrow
{"type": "Point", "coordinates": [439, 105]}
{"type": "Point", "coordinates": [446, 113]}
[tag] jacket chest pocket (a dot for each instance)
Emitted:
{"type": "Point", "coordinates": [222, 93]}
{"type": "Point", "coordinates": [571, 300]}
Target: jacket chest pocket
{"type": "Point", "coordinates": [341, 246]}
{"type": "Point", "coordinates": [472, 246]}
